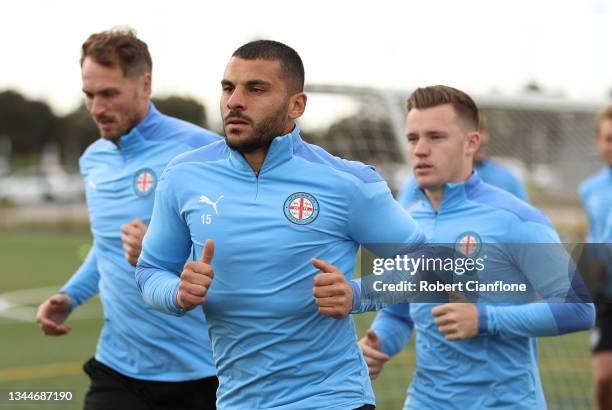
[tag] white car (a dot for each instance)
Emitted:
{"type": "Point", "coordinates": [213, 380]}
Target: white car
{"type": "Point", "coordinates": [33, 185]}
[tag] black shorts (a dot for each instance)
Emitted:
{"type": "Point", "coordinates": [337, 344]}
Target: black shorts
{"type": "Point", "coordinates": [601, 336]}
{"type": "Point", "coordinates": [110, 389]}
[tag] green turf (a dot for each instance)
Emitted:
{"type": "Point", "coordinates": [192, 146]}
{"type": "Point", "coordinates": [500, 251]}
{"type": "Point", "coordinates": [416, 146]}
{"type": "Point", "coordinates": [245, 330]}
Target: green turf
{"type": "Point", "coordinates": [39, 260]}
{"type": "Point", "coordinates": [46, 259]}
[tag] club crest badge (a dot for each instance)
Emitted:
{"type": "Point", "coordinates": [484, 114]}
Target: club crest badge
{"type": "Point", "coordinates": [145, 181]}
{"type": "Point", "coordinates": [468, 244]}
{"type": "Point", "coordinates": [301, 208]}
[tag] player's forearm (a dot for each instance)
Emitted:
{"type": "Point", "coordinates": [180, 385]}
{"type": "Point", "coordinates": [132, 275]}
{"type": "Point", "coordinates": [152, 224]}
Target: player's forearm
{"type": "Point", "coordinates": [363, 304]}
{"type": "Point", "coordinates": [158, 288]}
{"type": "Point", "coordinates": [84, 283]}
{"type": "Point", "coordinates": [535, 319]}
{"type": "Point", "coordinates": [374, 291]}
{"type": "Point", "coordinates": [393, 329]}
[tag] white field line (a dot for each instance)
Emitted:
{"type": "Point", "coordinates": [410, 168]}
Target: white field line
{"type": "Point", "coordinates": [29, 296]}
{"type": "Point", "coordinates": [15, 305]}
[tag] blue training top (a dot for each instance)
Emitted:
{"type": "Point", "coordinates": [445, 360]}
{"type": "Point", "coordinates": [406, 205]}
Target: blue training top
{"type": "Point", "coordinates": [272, 347]}
{"type": "Point", "coordinates": [120, 181]}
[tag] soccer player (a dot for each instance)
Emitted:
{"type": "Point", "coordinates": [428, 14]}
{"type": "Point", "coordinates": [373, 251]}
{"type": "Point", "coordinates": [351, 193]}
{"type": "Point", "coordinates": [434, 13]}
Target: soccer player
{"type": "Point", "coordinates": [474, 356]}
{"type": "Point", "coordinates": [596, 195]}
{"type": "Point", "coordinates": [488, 170]}
{"type": "Point", "coordinates": [260, 207]}
{"type": "Point", "coordinates": [144, 359]}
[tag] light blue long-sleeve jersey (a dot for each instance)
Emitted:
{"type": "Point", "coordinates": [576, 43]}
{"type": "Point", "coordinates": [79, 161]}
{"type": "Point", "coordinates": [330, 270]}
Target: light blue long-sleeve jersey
{"type": "Point", "coordinates": [596, 195]}
{"type": "Point", "coordinates": [120, 181]}
{"type": "Point", "coordinates": [489, 171]}
{"type": "Point", "coordinates": [272, 348]}
{"type": "Point", "coordinates": [498, 368]}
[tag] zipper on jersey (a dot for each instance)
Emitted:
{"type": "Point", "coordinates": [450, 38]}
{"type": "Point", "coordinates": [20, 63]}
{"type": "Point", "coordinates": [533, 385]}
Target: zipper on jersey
{"type": "Point", "coordinates": [257, 184]}
{"type": "Point", "coordinates": [435, 224]}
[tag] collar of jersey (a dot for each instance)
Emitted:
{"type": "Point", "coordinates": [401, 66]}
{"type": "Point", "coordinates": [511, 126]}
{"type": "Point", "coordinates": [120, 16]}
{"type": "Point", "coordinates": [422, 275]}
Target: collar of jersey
{"type": "Point", "coordinates": [280, 151]}
{"type": "Point", "coordinates": [455, 194]}
{"type": "Point", "coordinates": [134, 140]}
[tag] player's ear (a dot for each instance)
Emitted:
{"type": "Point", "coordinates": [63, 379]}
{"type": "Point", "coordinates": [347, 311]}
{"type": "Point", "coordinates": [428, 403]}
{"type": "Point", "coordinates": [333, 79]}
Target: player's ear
{"type": "Point", "coordinates": [473, 142]}
{"type": "Point", "coordinates": [297, 105]}
{"type": "Point", "coordinates": [146, 82]}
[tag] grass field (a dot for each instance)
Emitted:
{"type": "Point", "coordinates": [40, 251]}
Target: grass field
{"type": "Point", "coordinates": [34, 264]}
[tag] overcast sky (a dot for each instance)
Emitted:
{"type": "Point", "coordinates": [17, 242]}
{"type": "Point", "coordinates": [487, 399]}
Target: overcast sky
{"type": "Point", "coordinates": [477, 45]}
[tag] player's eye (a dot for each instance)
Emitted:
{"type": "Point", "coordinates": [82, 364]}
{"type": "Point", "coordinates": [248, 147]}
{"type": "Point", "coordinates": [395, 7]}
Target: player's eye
{"type": "Point", "coordinates": [109, 93]}
{"type": "Point", "coordinates": [412, 139]}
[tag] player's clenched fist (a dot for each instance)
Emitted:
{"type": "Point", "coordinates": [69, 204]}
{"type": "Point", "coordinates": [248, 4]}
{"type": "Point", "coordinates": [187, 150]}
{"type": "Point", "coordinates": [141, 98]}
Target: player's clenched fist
{"type": "Point", "coordinates": [371, 346]}
{"type": "Point", "coordinates": [333, 294]}
{"type": "Point", "coordinates": [52, 313]}
{"type": "Point", "coordinates": [131, 237]}
{"type": "Point", "coordinates": [456, 321]}
{"type": "Point", "coordinates": [196, 279]}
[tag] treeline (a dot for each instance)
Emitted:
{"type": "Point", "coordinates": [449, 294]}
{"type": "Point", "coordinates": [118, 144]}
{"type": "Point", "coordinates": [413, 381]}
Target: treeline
{"type": "Point", "coordinates": [31, 125]}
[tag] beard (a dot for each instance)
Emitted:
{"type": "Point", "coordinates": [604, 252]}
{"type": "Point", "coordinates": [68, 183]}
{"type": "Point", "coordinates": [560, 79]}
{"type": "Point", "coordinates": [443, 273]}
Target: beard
{"type": "Point", "coordinates": [263, 132]}
{"type": "Point", "coordinates": [121, 125]}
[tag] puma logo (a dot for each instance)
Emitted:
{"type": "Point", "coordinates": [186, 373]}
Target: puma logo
{"type": "Point", "coordinates": [206, 200]}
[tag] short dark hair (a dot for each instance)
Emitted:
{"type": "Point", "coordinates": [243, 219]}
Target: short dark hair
{"type": "Point", "coordinates": [291, 64]}
{"type": "Point", "coordinates": [463, 104]}
{"type": "Point", "coordinates": [118, 47]}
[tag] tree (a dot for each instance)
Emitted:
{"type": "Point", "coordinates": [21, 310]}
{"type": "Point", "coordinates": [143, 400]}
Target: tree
{"type": "Point", "coordinates": [185, 108]}
{"type": "Point", "coordinates": [77, 132]}
{"type": "Point", "coordinates": [29, 124]}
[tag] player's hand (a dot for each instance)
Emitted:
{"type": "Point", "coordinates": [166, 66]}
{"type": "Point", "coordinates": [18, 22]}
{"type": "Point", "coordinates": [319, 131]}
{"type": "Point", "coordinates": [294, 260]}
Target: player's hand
{"type": "Point", "coordinates": [333, 294]}
{"type": "Point", "coordinates": [196, 279]}
{"type": "Point", "coordinates": [458, 320]}
{"type": "Point", "coordinates": [374, 358]}
{"type": "Point", "coordinates": [131, 236]}
{"type": "Point", "coordinates": [52, 313]}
